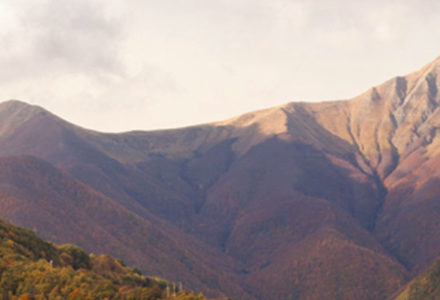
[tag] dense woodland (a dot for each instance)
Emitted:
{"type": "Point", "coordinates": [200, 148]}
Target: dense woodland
{"type": "Point", "coordinates": [31, 268]}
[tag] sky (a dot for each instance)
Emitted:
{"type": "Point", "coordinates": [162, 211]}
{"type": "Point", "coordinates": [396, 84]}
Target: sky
{"type": "Point", "coordinates": [120, 65]}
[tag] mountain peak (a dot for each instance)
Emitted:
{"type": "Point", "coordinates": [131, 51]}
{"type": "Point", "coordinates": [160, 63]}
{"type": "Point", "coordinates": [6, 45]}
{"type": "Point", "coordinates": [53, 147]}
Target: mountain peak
{"type": "Point", "coordinates": [23, 109]}
{"type": "Point", "coordinates": [13, 113]}
{"type": "Point", "coordinates": [436, 61]}
{"type": "Point", "coordinates": [13, 104]}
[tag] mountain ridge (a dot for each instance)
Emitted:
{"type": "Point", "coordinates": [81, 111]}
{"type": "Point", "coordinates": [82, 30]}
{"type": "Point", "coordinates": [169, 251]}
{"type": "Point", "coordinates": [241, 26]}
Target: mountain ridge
{"type": "Point", "coordinates": [297, 196]}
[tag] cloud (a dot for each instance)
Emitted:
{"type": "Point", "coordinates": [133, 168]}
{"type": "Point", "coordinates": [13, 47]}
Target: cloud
{"type": "Point", "coordinates": [77, 35]}
{"type": "Point", "coordinates": [58, 37]}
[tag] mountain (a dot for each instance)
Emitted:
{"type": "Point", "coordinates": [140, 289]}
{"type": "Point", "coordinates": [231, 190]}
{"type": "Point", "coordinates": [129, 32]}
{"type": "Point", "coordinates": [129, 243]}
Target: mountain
{"type": "Point", "coordinates": [331, 200]}
{"type": "Point", "coordinates": [37, 195]}
{"type": "Point", "coordinates": [31, 268]}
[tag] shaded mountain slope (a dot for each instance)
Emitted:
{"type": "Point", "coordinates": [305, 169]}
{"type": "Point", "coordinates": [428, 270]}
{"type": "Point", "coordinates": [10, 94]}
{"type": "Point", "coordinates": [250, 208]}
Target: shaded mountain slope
{"type": "Point", "coordinates": [37, 195]}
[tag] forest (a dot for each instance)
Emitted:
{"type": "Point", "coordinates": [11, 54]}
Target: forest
{"type": "Point", "coordinates": [31, 268]}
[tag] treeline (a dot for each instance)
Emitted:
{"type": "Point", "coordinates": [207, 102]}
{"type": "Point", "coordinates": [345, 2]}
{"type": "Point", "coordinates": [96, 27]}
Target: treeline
{"type": "Point", "coordinates": [32, 269]}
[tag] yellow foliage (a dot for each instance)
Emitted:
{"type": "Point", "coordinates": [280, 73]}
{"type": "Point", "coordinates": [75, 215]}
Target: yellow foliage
{"type": "Point", "coordinates": [24, 297]}
{"type": "Point", "coordinates": [74, 295]}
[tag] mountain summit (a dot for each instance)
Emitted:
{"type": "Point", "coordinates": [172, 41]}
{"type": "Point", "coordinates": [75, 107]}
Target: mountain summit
{"type": "Point", "coordinates": [331, 200]}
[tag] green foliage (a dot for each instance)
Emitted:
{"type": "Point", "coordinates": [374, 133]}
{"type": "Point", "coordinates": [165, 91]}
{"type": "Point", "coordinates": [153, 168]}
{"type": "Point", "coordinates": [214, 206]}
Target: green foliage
{"type": "Point", "coordinates": [74, 256]}
{"type": "Point", "coordinates": [33, 269]}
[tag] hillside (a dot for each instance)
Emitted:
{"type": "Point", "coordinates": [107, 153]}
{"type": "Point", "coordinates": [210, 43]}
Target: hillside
{"type": "Point", "coordinates": [425, 287]}
{"type": "Point", "coordinates": [334, 200]}
{"type": "Point", "coordinates": [31, 268]}
{"type": "Point", "coordinates": [37, 195]}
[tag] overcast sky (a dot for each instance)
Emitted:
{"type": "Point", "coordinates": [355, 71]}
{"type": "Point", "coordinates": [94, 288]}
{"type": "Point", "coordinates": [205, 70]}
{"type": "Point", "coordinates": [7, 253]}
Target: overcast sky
{"type": "Point", "coordinates": [118, 65]}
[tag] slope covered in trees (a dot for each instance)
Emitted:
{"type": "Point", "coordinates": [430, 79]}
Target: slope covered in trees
{"type": "Point", "coordinates": [31, 268]}
{"type": "Point", "coordinates": [425, 287]}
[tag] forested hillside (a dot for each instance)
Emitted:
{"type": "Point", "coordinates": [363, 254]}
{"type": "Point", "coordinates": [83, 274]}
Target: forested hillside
{"type": "Point", "coordinates": [424, 287]}
{"type": "Point", "coordinates": [31, 268]}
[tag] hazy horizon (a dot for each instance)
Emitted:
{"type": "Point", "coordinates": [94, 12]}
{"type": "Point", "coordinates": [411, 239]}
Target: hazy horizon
{"type": "Point", "coordinates": [143, 65]}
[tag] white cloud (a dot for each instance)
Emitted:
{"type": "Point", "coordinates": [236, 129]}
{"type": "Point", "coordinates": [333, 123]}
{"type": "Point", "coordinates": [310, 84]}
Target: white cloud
{"type": "Point", "coordinates": [61, 36]}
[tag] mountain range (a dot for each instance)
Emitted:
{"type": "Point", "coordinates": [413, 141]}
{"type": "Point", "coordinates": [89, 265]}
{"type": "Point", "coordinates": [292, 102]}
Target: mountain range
{"type": "Point", "coordinates": [329, 200]}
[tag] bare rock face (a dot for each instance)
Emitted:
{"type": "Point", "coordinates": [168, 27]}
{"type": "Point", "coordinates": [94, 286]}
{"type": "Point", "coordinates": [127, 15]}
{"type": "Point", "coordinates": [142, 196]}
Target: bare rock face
{"type": "Point", "coordinates": [332, 200]}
